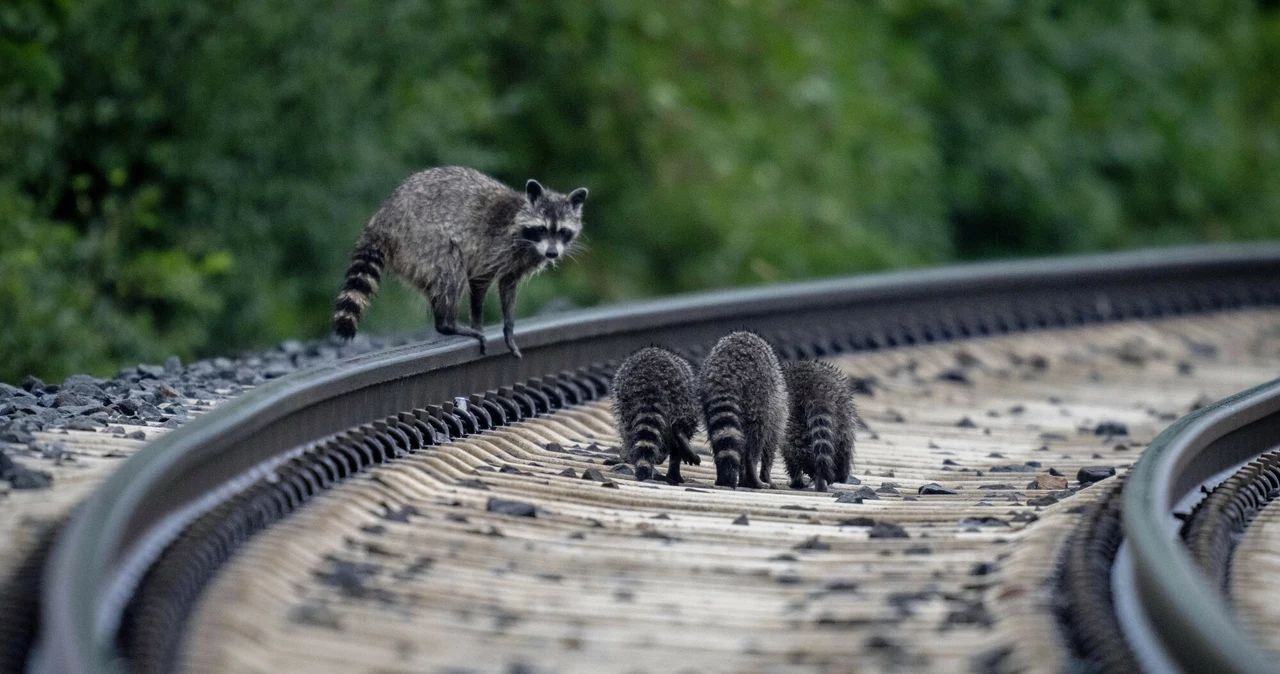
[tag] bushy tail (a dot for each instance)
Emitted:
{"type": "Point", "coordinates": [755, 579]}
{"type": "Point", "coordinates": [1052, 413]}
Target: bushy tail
{"type": "Point", "coordinates": [363, 275]}
{"type": "Point", "coordinates": [724, 430]}
{"type": "Point", "coordinates": [646, 442]}
{"type": "Point", "coordinates": [820, 439]}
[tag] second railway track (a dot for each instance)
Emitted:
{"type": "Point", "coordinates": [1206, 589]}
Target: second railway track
{"type": "Point", "coordinates": [353, 503]}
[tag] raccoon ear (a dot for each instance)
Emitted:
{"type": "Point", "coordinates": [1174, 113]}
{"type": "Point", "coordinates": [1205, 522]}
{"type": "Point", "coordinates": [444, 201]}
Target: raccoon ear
{"type": "Point", "coordinates": [577, 198]}
{"type": "Point", "coordinates": [532, 191]}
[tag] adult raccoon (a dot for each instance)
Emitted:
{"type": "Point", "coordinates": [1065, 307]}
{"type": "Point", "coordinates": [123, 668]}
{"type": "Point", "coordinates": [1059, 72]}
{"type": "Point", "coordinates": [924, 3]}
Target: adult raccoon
{"type": "Point", "coordinates": [450, 229]}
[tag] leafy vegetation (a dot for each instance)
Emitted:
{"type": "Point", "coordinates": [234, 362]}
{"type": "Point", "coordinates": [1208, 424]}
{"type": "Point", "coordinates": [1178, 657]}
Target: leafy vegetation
{"type": "Point", "coordinates": [187, 177]}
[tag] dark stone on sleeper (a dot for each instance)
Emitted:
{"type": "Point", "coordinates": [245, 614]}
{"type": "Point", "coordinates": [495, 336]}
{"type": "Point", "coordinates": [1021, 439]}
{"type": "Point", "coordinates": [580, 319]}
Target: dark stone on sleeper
{"type": "Point", "coordinates": [812, 544]}
{"type": "Point", "coordinates": [1091, 474]}
{"type": "Point", "coordinates": [1110, 428]}
{"type": "Point", "coordinates": [1013, 468]}
{"type": "Point", "coordinates": [513, 508]}
{"type": "Point", "coordinates": [882, 529]}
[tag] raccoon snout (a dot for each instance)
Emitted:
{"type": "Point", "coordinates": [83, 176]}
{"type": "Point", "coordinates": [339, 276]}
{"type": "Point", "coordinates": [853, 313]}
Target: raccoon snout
{"type": "Point", "coordinates": [552, 253]}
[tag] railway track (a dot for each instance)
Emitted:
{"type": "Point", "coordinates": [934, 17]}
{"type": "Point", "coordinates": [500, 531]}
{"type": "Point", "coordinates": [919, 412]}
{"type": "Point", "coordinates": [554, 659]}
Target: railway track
{"type": "Point", "coordinates": [426, 508]}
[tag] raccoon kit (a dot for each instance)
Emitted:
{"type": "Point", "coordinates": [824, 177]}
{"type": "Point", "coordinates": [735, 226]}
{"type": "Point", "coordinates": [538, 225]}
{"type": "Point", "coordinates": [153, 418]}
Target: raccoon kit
{"type": "Point", "coordinates": [820, 433]}
{"type": "Point", "coordinates": [450, 229]}
{"type": "Point", "coordinates": [656, 409]}
{"type": "Point", "coordinates": [744, 399]}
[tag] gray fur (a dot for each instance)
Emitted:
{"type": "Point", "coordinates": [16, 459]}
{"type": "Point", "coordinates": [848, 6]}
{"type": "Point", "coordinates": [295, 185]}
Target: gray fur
{"type": "Point", "coordinates": [450, 229]}
{"type": "Point", "coordinates": [744, 398]}
{"type": "Point", "coordinates": [656, 408]}
{"type": "Point", "coordinates": [820, 433]}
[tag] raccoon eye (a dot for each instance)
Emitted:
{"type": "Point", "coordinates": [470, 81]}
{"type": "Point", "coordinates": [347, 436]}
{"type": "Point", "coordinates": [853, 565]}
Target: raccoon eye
{"type": "Point", "coordinates": [535, 233]}
{"type": "Point", "coordinates": [566, 235]}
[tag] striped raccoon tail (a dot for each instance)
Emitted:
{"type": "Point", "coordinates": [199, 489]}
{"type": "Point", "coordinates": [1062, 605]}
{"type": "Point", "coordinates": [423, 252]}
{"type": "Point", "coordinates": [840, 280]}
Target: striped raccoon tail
{"type": "Point", "coordinates": [819, 436]}
{"type": "Point", "coordinates": [724, 430]}
{"type": "Point", "coordinates": [363, 275]}
{"type": "Point", "coordinates": [646, 443]}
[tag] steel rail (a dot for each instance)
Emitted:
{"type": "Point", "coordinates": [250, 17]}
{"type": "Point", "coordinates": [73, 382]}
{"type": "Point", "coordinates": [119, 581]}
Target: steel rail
{"type": "Point", "coordinates": [1185, 609]}
{"type": "Point", "coordinates": [141, 508]}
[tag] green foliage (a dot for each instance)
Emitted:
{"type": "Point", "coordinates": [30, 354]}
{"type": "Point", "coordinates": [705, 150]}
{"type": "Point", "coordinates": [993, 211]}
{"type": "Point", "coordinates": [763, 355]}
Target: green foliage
{"type": "Point", "coordinates": [188, 177]}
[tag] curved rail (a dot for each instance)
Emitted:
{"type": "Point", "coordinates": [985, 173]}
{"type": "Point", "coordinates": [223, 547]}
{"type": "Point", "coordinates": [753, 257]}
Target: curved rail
{"type": "Point", "coordinates": [1185, 610]}
{"type": "Point", "coordinates": [1212, 531]}
{"type": "Point", "coordinates": [144, 506]}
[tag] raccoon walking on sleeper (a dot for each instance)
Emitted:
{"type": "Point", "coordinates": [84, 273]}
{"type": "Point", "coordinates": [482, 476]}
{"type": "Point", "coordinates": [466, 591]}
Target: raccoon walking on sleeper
{"type": "Point", "coordinates": [820, 433]}
{"type": "Point", "coordinates": [445, 230]}
{"type": "Point", "coordinates": [744, 399]}
{"type": "Point", "coordinates": [656, 408]}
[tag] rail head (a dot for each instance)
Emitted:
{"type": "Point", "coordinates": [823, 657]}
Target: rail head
{"type": "Point", "coordinates": [1185, 610]}
{"type": "Point", "coordinates": [137, 511]}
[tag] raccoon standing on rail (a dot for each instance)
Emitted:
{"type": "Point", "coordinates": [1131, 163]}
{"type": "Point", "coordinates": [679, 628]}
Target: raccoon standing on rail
{"type": "Point", "coordinates": [656, 408]}
{"type": "Point", "coordinates": [744, 398]}
{"type": "Point", "coordinates": [820, 434]}
{"type": "Point", "coordinates": [448, 229]}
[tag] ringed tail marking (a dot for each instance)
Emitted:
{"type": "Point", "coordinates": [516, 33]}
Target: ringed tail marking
{"type": "Point", "coordinates": [363, 275]}
{"type": "Point", "coordinates": [722, 413]}
{"type": "Point", "coordinates": [818, 435]}
{"type": "Point", "coordinates": [646, 436]}
{"type": "Point", "coordinates": [724, 428]}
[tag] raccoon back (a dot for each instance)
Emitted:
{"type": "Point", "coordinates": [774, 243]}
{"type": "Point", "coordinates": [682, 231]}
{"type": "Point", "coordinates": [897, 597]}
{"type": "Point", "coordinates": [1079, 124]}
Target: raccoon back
{"type": "Point", "coordinates": [444, 212]}
{"type": "Point", "coordinates": [743, 367]}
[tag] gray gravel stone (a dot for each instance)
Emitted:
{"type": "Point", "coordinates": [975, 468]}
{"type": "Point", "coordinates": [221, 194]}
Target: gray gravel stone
{"type": "Point", "coordinates": [154, 371]}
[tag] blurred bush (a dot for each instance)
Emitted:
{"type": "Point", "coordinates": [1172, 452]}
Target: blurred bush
{"type": "Point", "coordinates": [187, 177]}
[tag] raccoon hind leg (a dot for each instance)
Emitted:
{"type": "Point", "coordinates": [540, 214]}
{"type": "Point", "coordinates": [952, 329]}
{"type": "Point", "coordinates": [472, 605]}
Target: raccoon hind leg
{"type": "Point", "coordinates": [673, 469]}
{"type": "Point", "coordinates": [757, 462]}
{"type": "Point", "coordinates": [445, 293]}
{"type": "Point", "coordinates": [479, 287]}
{"type": "Point", "coordinates": [766, 467]}
{"type": "Point", "coordinates": [844, 450]}
{"type": "Point", "coordinates": [748, 477]}
{"type": "Point", "coordinates": [844, 460]}
{"type": "Point", "coordinates": [795, 470]}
